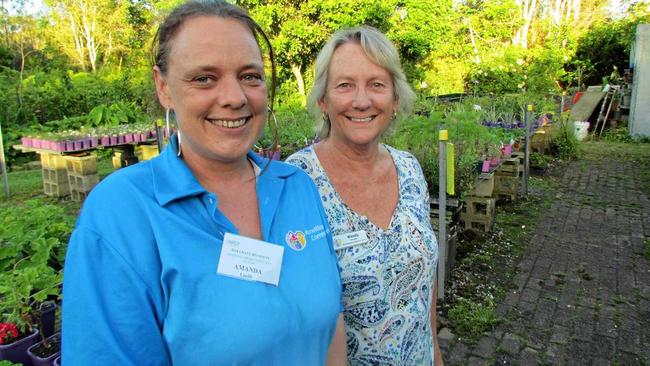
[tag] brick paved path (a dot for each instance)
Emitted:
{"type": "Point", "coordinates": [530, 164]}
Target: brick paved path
{"type": "Point", "coordinates": [583, 294]}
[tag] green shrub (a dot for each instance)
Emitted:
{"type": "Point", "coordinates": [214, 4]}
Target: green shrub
{"type": "Point", "coordinates": [33, 240]}
{"type": "Point", "coordinates": [471, 319]}
{"type": "Point", "coordinates": [563, 140]}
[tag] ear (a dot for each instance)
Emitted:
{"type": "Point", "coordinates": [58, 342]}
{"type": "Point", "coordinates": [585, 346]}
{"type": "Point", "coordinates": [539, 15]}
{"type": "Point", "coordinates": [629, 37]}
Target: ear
{"type": "Point", "coordinates": [162, 88]}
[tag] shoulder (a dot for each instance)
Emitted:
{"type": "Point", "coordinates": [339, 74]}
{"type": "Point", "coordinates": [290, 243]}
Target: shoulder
{"type": "Point", "coordinates": [133, 180]}
{"type": "Point", "coordinates": [403, 158]}
{"type": "Point", "coordinates": [118, 195]}
{"type": "Point", "coordinates": [303, 159]}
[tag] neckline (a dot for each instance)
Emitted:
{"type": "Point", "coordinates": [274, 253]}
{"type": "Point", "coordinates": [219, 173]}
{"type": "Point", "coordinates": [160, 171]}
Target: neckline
{"type": "Point", "coordinates": [352, 212]}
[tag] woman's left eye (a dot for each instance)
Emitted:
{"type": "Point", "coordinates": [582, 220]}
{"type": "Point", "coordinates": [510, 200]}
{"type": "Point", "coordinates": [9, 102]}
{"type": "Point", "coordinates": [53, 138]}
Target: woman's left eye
{"type": "Point", "coordinates": [377, 84]}
{"type": "Point", "coordinates": [252, 77]}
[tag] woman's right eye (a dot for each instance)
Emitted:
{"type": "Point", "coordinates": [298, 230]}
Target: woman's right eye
{"type": "Point", "coordinates": [203, 79]}
{"type": "Point", "coordinates": [344, 85]}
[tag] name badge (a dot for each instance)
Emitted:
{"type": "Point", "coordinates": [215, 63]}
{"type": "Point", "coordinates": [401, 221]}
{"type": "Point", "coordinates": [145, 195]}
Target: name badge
{"type": "Point", "coordinates": [250, 259]}
{"type": "Point", "coordinates": [347, 240]}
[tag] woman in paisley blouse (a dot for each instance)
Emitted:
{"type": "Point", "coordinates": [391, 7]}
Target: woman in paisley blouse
{"type": "Point", "coordinates": [376, 200]}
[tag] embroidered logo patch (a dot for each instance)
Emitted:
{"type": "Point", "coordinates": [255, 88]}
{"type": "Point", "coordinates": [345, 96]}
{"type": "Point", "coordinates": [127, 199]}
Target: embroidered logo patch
{"type": "Point", "coordinates": [296, 241]}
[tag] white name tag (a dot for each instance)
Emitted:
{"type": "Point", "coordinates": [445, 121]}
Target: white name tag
{"type": "Point", "coordinates": [250, 259]}
{"type": "Point", "coordinates": [346, 240]}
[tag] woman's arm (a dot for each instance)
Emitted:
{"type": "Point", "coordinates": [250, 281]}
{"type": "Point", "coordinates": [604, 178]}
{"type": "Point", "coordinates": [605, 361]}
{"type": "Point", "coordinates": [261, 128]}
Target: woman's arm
{"type": "Point", "coordinates": [337, 354]}
{"type": "Point", "coordinates": [434, 329]}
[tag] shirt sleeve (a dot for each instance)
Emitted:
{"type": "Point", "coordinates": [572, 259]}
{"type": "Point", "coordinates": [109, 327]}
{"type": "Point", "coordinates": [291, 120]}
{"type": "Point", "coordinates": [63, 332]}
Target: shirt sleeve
{"type": "Point", "coordinates": [108, 315]}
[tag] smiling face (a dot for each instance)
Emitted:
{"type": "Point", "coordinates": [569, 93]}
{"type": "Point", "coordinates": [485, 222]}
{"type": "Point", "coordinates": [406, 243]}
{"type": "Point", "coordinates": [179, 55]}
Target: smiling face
{"type": "Point", "coordinates": [215, 85]}
{"type": "Point", "coordinates": [359, 97]}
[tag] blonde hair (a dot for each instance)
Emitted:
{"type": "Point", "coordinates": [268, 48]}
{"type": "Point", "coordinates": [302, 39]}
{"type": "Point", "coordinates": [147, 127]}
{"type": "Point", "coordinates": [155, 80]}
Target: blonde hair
{"type": "Point", "coordinates": [378, 49]}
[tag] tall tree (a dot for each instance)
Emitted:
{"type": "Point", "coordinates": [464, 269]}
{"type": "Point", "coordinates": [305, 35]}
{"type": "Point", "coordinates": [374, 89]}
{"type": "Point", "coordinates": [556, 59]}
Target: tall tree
{"type": "Point", "coordinates": [90, 31]}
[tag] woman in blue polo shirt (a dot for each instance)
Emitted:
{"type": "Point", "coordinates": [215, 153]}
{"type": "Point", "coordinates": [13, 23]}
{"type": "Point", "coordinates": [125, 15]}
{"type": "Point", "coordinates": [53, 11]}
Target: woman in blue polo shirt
{"type": "Point", "coordinates": [207, 254]}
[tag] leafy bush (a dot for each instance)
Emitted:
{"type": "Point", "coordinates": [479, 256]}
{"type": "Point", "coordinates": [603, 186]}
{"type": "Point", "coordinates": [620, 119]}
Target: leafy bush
{"type": "Point", "coordinates": [563, 140]}
{"type": "Point", "coordinates": [32, 251]}
{"type": "Point", "coordinates": [471, 319]}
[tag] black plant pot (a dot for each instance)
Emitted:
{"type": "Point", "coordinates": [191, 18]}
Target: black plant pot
{"type": "Point", "coordinates": [47, 312]}
{"type": "Point", "coordinates": [43, 357]}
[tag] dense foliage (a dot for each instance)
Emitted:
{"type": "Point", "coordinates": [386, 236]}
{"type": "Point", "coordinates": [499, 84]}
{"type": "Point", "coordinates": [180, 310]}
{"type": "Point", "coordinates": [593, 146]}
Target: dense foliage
{"type": "Point", "coordinates": [58, 65]}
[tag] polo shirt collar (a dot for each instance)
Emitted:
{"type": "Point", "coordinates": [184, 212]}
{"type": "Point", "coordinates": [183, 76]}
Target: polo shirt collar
{"type": "Point", "coordinates": [173, 179]}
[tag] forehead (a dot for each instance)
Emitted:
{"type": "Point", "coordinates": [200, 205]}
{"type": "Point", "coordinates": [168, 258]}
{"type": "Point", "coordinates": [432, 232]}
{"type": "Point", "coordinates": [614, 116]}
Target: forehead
{"type": "Point", "coordinates": [211, 39]}
{"type": "Point", "coordinates": [349, 60]}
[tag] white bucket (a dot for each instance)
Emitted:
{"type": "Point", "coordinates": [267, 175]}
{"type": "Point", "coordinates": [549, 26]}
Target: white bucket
{"type": "Point", "coordinates": [580, 130]}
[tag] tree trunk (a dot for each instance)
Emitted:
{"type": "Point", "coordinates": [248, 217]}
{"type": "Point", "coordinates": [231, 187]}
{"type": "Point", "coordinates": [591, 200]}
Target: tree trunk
{"type": "Point", "coordinates": [295, 69]}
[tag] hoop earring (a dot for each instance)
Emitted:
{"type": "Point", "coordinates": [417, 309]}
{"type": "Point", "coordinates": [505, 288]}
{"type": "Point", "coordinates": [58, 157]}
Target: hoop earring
{"type": "Point", "coordinates": [274, 119]}
{"type": "Point", "coordinates": [178, 134]}
{"type": "Point", "coordinates": [178, 131]}
{"type": "Point", "coordinates": [167, 120]}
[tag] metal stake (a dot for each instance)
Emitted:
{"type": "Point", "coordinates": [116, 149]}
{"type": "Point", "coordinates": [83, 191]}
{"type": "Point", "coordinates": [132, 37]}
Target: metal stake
{"type": "Point", "coordinates": [442, 212]}
{"type": "Point", "coordinates": [5, 177]}
{"type": "Point", "coordinates": [529, 109]}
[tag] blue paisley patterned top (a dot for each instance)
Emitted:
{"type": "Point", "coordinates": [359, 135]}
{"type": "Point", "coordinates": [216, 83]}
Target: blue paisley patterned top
{"type": "Point", "coordinates": [387, 282]}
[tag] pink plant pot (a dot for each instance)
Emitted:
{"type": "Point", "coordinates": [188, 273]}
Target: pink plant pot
{"type": "Point", "coordinates": [105, 141]}
{"type": "Point", "coordinates": [506, 150]}
{"type": "Point", "coordinates": [121, 140]}
{"type": "Point", "coordinates": [69, 146]}
{"type": "Point", "coordinates": [137, 137]}
{"type": "Point", "coordinates": [78, 145]}
{"type": "Point", "coordinates": [59, 146]}
{"type": "Point", "coordinates": [486, 166]}
{"type": "Point", "coordinates": [113, 140]}
{"type": "Point", "coordinates": [128, 138]}
{"type": "Point", "coordinates": [27, 141]}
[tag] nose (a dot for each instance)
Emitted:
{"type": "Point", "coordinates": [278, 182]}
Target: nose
{"type": "Point", "coordinates": [231, 93]}
{"type": "Point", "coordinates": [361, 99]}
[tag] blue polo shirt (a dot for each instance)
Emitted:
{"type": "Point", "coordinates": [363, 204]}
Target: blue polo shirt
{"type": "Point", "coordinates": [141, 284]}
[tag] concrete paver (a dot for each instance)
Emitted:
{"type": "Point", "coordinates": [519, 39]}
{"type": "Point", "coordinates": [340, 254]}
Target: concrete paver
{"type": "Point", "coordinates": [583, 284]}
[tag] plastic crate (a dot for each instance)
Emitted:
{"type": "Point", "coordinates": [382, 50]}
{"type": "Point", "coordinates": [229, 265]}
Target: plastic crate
{"type": "Point", "coordinates": [82, 165]}
{"type": "Point", "coordinates": [479, 206]}
{"type": "Point", "coordinates": [78, 196]}
{"type": "Point", "coordinates": [82, 183]}
{"type": "Point", "coordinates": [56, 176]}
{"type": "Point", "coordinates": [149, 151]}
{"type": "Point", "coordinates": [116, 159]}
{"type": "Point", "coordinates": [506, 184]}
{"type": "Point", "coordinates": [55, 189]}
{"type": "Point", "coordinates": [483, 224]}
{"type": "Point", "coordinates": [52, 161]}
{"type": "Point", "coordinates": [483, 187]}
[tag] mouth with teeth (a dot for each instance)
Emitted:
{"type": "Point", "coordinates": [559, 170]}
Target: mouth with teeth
{"type": "Point", "coordinates": [229, 123]}
{"type": "Point", "coordinates": [366, 119]}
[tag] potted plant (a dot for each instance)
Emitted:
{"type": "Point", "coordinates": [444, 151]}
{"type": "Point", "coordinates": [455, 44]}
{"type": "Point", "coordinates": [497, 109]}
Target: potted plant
{"type": "Point", "coordinates": [14, 344]}
{"type": "Point", "coordinates": [30, 275]}
{"type": "Point", "coordinates": [44, 352]}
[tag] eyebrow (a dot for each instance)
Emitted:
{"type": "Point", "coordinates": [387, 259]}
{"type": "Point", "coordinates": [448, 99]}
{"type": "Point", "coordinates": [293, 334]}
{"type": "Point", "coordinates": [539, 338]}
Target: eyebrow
{"type": "Point", "coordinates": [252, 65]}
